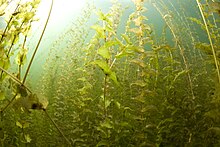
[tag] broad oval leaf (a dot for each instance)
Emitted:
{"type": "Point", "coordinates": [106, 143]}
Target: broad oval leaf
{"type": "Point", "coordinates": [106, 69]}
{"type": "Point", "coordinates": [104, 52]}
{"type": "Point", "coordinates": [104, 66]}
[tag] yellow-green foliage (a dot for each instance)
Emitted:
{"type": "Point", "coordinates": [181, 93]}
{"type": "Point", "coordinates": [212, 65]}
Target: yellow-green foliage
{"type": "Point", "coordinates": [117, 80]}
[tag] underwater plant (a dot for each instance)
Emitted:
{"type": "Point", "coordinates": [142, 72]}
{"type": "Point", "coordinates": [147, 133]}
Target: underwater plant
{"type": "Point", "coordinates": [23, 98]}
{"type": "Point", "coordinates": [127, 86]}
{"type": "Point", "coordinates": [116, 77]}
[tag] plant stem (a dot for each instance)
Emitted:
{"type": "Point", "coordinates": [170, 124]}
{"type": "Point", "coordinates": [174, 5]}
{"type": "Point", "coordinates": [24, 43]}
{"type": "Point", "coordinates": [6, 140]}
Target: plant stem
{"type": "Point", "coordinates": [57, 127]}
{"type": "Point", "coordinates": [8, 103]}
{"type": "Point", "coordinates": [104, 94]}
{"type": "Point", "coordinates": [35, 51]}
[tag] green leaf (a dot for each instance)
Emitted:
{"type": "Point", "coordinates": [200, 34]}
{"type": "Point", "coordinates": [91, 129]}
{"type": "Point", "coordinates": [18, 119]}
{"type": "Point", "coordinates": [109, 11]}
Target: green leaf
{"type": "Point", "coordinates": [123, 53]}
{"type": "Point", "coordinates": [137, 49]}
{"type": "Point", "coordinates": [106, 69]}
{"type": "Point", "coordinates": [2, 95]}
{"type": "Point", "coordinates": [107, 124]}
{"type": "Point", "coordinates": [110, 29]}
{"type": "Point", "coordinates": [28, 16]}
{"type": "Point", "coordinates": [101, 130]}
{"type": "Point", "coordinates": [104, 52]}
{"type": "Point", "coordinates": [107, 103]}
{"type": "Point", "coordinates": [5, 63]}
{"type": "Point", "coordinates": [128, 108]}
{"type": "Point", "coordinates": [205, 48]}
{"type": "Point", "coordinates": [126, 38]}
{"type": "Point", "coordinates": [125, 124]}
{"type": "Point", "coordinates": [21, 57]}
{"type": "Point", "coordinates": [119, 42]}
{"type": "Point", "coordinates": [139, 83]}
{"type": "Point", "coordinates": [104, 66]}
{"type": "Point", "coordinates": [35, 3]}
{"type": "Point", "coordinates": [99, 30]}
{"type": "Point", "coordinates": [140, 118]}
{"type": "Point", "coordinates": [26, 124]}
{"type": "Point", "coordinates": [117, 104]}
{"type": "Point", "coordinates": [111, 43]}
{"type": "Point", "coordinates": [140, 98]}
{"type": "Point", "coordinates": [179, 74]}
{"type": "Point", "coordinates": [130, 50]}
{"type": "Point", "coordinates": [139, 62]}
{"type": "Point", "coordinates": [102, 143]}
{"type": "Point", "coordinates": [104, 17]}
{"type": "Point", "coordinates": [83, 79]}
{"type": "Point", "coordinates": [101, 15]}
{"type": "Point", "coordinates": [215, 130]}
{"type": "Point", "coordinates": [114, 78]}
{"type": "Point", "coordinates": [19, 124]}
{"type": "Point", "coordinates": [27, 138]}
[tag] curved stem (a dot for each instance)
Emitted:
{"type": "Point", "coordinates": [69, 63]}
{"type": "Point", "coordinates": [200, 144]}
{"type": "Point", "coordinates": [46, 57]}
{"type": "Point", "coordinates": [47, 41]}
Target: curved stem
{"type": "Point", "coordinates": [35, 51]}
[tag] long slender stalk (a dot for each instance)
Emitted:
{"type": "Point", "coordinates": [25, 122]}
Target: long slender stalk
{"type": "Point", "coordinates": [8, 103]}
{"type": "Point", "coordinates": [104, 95]}
{"type": "Point", "coordinates": [105, 79]}
{"type": "Point", "coordinates": [210, 40]}
{"type": "Point", "coordinates": [38, 44]}
{"type": "Point", "coordinates": [57, 127]}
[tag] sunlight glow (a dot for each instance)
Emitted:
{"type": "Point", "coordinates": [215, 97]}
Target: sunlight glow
{"type": "Point", "coordinates": [61, 8]}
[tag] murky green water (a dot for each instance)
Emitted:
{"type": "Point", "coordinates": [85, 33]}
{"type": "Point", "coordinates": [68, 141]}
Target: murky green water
{"type": "Point", "coordinates": [109, 73]}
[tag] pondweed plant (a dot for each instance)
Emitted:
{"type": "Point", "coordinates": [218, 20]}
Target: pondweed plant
{"type": "Point", "coordinates": [17, 29]}
{"type": "Point", "coordinates": [131, 88]}
{"type": "Point", "coordinates": [111, 84]}
{"type": "Point", "coordinates": [98, 109]}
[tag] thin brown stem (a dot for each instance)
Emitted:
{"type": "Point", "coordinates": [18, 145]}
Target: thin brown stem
{"type": "Point", "coordinates": [104, 94]}
{"type": "Point", "coordinates": [56, 126]}
{"type": "Point", "coordinates": [9, 103]}
{"type": "Point", "coordinates": [38, 44]}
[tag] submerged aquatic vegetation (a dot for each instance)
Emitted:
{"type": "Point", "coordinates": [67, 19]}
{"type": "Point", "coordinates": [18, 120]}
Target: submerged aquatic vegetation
{"type": "Point", "coordinates": [131, 88]}
{"type": "Point", "coordinates": [214, 7]}
{"type": "Point", "coordinates": [118, 80]}
{"type": "Point", "coordinates": [23, 98]}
